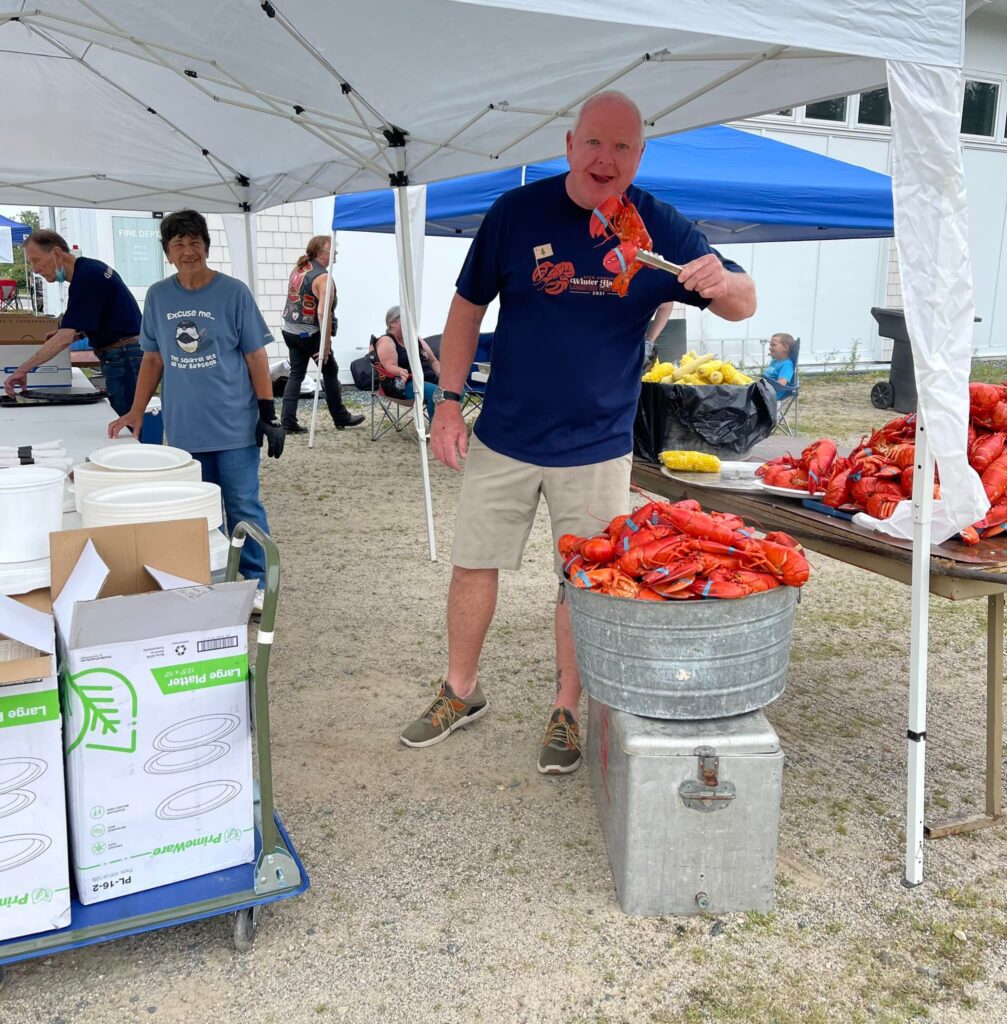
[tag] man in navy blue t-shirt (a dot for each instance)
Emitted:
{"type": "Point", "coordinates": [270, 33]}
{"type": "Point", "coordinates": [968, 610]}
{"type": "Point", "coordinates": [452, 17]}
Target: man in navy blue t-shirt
{"type": "Point", "coordinates": [99, 306]}
{"type": "Point", "coordinates": [558, 413]}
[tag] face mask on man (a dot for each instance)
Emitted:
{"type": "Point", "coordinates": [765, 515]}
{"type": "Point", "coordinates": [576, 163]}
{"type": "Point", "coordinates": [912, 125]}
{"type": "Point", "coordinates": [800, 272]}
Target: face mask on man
{"type": "Point", "coordinates": [60, 275]}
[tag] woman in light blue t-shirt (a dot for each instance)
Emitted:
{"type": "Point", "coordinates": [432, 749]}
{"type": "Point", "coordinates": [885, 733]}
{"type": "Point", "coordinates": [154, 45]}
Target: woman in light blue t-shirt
{"type": "Point", "coordinates": [203, 341]}
{"type": "Point", "coordinates": [780, 372]}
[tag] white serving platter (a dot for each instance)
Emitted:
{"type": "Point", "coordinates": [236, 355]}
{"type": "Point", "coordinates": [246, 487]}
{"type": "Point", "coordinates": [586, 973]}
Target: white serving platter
{"type": "Point", "coordinates": [732, 476]}
{"type": "Point", "coordinates": [790, 492]}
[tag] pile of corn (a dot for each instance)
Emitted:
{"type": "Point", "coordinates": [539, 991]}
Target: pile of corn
{"type": "Point", "coordinates": [690, 462]}
{"type": "Point", "coordinates": [696, 369]}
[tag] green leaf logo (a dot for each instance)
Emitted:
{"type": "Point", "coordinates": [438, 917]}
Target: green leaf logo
{"type": "Point", "coordinates": [106, 703]}
{"type": "Point", "coordinates": [42, 895]}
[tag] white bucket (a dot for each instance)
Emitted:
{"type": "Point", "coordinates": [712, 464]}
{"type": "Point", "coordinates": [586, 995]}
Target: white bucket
{"type": "Point", "coordinates": [31, 507]}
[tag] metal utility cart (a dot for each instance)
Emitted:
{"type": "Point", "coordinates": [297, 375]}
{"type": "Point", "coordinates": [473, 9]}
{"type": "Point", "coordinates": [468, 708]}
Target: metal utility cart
{"type": "Point", "coordinates": [277, 872]}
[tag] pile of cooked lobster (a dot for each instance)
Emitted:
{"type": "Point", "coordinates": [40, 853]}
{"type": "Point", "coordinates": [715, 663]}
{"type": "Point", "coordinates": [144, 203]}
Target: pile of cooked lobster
{"type": "Point", "coordinates": [873, 478]}
{"type": "Point", "coordinates": [878, 473]}
{"type": "Point", "coordinates": [676, 551]}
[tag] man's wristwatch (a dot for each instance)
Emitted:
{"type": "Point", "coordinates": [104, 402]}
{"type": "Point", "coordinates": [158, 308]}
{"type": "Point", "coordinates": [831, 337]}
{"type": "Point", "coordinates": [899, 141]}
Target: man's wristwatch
{"type": "Point", "coordinates": [440, 395]}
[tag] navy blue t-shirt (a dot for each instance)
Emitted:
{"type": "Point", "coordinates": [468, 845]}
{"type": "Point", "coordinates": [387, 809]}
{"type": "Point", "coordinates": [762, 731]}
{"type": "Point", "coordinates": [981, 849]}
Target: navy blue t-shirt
{"type": "Point", "coordinates": [99, 304]}
{"type": "Point", "coordinates": [567, 350]}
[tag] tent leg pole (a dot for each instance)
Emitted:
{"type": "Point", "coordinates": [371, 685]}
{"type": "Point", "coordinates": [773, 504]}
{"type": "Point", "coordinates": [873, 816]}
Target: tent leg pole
{"type": "Point", "coordinates": [916, 732]}
{"type": "Point", "coordinates": [407, 286]}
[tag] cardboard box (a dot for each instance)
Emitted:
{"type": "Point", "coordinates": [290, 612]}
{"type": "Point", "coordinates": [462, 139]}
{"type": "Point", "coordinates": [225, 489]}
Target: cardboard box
{"type": "Point", "coordinates": [21, 334]}
{"type": "Point", "coordinates": [155, 698]}
{"type": "Point", "coordinates": [34, 873]}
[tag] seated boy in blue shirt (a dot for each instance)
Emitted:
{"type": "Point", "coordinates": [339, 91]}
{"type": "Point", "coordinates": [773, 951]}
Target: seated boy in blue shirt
{"type": "Point", "coordinates": [780, 372]}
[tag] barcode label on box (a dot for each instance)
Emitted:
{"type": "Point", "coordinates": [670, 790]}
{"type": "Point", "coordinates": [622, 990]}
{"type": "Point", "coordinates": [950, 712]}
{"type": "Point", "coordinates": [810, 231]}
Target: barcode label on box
{"type": "Point", "coordinates": [218, 643]}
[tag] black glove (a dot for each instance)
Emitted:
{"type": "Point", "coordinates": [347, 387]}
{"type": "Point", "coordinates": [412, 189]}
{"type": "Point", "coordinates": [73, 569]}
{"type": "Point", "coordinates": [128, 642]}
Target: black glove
{"type": "Point", "coordinates": [268, 428]}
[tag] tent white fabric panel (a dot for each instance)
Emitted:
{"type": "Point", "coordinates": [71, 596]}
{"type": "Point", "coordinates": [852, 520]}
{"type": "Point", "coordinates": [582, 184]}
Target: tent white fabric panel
{"type": "Point", "coordinates": [170, 105]}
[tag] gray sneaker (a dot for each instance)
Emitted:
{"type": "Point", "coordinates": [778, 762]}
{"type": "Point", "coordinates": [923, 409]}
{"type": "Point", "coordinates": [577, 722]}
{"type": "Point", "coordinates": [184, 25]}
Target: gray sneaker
{"type": "Point", "coordinates": [561, 747]}
{"type": "Point", "coordinates": [447, 713]}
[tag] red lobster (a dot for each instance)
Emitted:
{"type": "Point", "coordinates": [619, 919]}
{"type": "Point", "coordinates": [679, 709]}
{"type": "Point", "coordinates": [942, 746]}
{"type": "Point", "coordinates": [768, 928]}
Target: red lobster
{"type": "Point", "coordinates": [617, 217]}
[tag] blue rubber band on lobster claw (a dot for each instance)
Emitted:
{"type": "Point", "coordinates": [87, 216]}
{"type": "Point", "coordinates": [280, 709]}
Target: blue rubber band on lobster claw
{"type": "Point", "coordinates": [622, 259]}
{"type": "Point", "coordinates": [632, 526]}
{"type": "Point", "coordinates": [604, 220]}
{"type": "Point", "coordinates": [580, 573]}
{"type": "Point", "coordinates": [706, 589]}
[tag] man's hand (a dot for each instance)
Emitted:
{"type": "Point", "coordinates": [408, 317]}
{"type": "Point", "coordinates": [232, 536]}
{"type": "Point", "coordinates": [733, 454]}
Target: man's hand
{"type": "Point", "coordinates": [268, 428]}
{"type": "Point", "coordinates": [132, 420]}
{"type": "Point", "coordinates": [706, 276]}
{"type": "Point", "coordinates": [18, 379]}
{"type": "Point", "coordinates": [449, 438]}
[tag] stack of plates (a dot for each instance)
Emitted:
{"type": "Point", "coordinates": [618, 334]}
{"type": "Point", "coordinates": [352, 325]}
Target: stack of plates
{"type": "Point", "coordinates": [89, 476]}
{"type": "Point", "coordinates": [151, 503]}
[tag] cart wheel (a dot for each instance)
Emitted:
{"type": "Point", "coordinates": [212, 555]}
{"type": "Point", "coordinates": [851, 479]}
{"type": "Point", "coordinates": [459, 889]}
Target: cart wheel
{"type": "Point", "coordinates": [244, 929]}
{"type": "Point", "coordinates": [882, 395]}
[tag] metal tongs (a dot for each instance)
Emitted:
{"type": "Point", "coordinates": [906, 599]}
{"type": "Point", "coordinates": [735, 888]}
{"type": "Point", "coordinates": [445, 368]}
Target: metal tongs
{"type": "Point", "coordinates": [653, 259]}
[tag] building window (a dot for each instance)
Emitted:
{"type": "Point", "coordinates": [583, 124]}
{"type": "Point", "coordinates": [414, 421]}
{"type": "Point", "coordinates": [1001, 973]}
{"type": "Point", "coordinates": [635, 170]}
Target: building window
{"type": "Point", "coordinates": [785, 113]}
{"type": "Point", "coordinates": [827, 110]}
{"type": "Point", "coordinates": [979, 108]}
{"type": "Point", "coordinates": [875, 108]}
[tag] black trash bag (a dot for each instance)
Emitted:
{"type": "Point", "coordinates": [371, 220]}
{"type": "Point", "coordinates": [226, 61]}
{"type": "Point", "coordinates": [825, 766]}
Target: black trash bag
{"type": "Point", "coordinates": [717, 418]}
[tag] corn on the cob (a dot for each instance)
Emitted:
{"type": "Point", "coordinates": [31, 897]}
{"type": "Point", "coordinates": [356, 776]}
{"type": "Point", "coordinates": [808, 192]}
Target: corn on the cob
{"type": "Point", "coordinates": [687, 366]}
{"type": "Point", "coordinates": [734, 376]}
{"type": "Point", "coordinates": [695, 462]}
{"type": "Point", "coordinates": [715, 377]}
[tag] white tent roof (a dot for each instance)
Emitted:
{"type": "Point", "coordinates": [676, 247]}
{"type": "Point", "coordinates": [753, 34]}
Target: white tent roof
{"type": "Point", "coordinates": [235, 104]}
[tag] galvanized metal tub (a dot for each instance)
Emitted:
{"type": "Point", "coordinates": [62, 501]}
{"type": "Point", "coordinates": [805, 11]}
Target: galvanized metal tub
{"type": "Point", "coordinates": [683, 659]}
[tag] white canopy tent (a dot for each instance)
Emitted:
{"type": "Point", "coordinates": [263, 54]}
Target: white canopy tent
{"type": "Point", "coordinates": [233, 106]}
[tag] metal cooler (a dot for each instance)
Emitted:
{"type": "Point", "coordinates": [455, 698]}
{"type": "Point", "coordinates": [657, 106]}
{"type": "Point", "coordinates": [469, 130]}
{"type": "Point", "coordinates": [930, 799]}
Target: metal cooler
{"type": "Point", "coordinates": [690, 810]}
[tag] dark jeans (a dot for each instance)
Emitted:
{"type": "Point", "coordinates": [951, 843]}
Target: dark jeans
{"type": "Point", "coordinates": [236, 471]}
{"type": "Point", "coordinates": [302, 350]}
{"type": "Point", "coordinates": [120, 367]}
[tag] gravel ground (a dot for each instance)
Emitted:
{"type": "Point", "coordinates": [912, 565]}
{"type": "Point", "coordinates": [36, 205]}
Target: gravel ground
{"type": "Point", "coordinates": [456, 884]}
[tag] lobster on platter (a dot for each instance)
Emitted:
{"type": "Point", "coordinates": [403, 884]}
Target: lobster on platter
{"type": "Point", "coordinates": [677, 551]}
{"type": "Point", "coordinates": [810, 472]}
{"type": "Point", "coordinates": [618, 218]}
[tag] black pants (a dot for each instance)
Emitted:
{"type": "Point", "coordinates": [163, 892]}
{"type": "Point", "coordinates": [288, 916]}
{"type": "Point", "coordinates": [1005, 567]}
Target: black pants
{"type": "Point", "coordinates": [302, 350]}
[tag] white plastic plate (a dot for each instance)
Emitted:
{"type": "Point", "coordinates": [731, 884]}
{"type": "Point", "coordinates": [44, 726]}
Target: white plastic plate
{"type": "Point", "coordinates": [789, 492]}
{"type": "Point", "coordinates": [133, 458]}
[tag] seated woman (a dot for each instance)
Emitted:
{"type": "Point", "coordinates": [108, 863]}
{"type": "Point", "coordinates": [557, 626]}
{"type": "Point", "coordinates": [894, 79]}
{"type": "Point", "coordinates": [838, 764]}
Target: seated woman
{"type": "Point", "coordinates": [780, 372]}
{"type": "Point", "coordinates": [390, 351]}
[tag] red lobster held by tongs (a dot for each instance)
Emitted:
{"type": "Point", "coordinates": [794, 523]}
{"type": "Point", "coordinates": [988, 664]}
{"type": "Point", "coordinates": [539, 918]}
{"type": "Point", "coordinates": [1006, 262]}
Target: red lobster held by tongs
{"type": "Point", "coordinates": [618, 218]}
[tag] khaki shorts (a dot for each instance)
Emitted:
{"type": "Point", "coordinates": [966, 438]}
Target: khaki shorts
{"type": "Point", "coordinates": [500, 496]}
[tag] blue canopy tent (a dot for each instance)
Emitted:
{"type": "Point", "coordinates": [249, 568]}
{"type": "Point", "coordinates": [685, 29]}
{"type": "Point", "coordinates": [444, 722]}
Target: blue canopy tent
{"type": "Point", "coordinates": [739, 187]}
{"type": "Point", "coordinates": [18, 232]}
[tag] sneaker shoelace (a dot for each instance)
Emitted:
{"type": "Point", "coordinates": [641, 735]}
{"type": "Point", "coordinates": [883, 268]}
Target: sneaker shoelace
{"type": "Point", "coordinates": [562, 733]}
{"type": "Point", "coordinates": [444, 709]}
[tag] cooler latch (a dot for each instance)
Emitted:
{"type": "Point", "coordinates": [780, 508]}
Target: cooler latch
{"type": "Point", "coordinates": [706, 792]}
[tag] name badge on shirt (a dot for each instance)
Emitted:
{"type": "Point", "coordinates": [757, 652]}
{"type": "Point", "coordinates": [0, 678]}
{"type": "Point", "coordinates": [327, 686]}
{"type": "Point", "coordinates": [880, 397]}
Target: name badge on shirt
{"type": "Point", "coordinates": [542, 251]}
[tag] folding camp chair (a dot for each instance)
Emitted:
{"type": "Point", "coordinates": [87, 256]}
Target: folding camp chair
{"type": "Point", "coordinates": [9, 298]}
{"type": "Point", "coordinates": [388, 411]}
{"type": "Point", "coordinates": [475, 385]}
{"type": "Point", "coordinates": [786, 403]}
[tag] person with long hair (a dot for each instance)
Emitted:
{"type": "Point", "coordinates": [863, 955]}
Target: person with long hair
{"type": "Point", "coordinates": [302, 332]}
